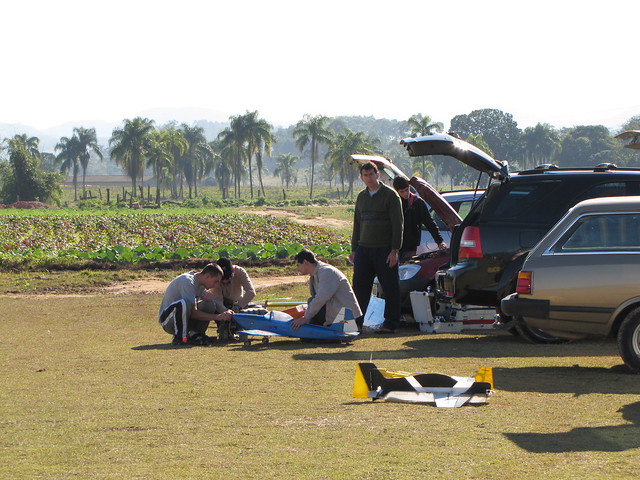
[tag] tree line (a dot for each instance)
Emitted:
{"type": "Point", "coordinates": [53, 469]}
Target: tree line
{"type": "Point", "coordinates": [180, 157]}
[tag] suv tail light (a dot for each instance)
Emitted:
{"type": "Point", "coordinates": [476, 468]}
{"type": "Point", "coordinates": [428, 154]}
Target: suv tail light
{"type": "Point", "coordinates": [525, 282]}
{"type": "Point", "coordinates": [470, 245]}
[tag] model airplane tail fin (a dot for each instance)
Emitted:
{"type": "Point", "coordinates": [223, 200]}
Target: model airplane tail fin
{"type": "Point", "coordinates": [363, 382]}
{"type": "Point", "coordinates": [485, 374]}
{"type": "Point", "coordinates": [369, 378]}
{"type": "Point", "coordinates": [337, 327]}
{"type": "Point", "coordinates": [344, 321]}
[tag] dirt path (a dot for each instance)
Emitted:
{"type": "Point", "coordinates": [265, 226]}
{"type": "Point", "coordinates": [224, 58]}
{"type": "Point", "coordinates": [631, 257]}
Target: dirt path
{"type": "Point", "coordinates": [157, 285]}
{"type": "Point", "coordinates": [316, 221]}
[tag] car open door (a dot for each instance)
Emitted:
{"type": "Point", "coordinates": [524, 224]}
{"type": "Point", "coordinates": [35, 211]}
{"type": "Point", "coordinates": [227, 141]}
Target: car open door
{"type": "Point", "coordinates": [437, 202]}
{"type": "Point", "coordinates": [388, 170]}
{"type": "Point", "coordinates": [445, 144]}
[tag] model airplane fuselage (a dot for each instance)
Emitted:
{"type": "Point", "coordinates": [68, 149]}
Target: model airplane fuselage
{"type": "Point", "coordinates": [279, 323]}
{"type": "Point", "coordinates": [443, 390]}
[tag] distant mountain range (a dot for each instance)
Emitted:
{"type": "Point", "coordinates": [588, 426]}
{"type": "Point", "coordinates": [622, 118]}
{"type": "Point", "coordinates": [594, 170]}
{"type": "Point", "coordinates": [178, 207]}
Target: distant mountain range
{"type": "Point", "coordinates": [49, 137]}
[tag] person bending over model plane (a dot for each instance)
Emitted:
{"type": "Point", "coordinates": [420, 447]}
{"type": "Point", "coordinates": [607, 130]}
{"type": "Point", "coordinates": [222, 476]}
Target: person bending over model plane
{"type": "Point", "coordinates": [330, 291]}
{"type": "Point", "coordinates": [236, 289]}
{"type": "Point", "coordinates": [180, 314]}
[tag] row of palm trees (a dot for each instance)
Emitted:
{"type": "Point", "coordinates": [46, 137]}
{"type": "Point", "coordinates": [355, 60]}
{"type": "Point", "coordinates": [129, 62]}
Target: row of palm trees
{"type": "Point", "coordinates": [181, 154]}
{"type": "Point", "coordinates": [178, 155]}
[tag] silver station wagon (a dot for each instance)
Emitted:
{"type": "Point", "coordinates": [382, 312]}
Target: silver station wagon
{"type": "Point", "coordinates": [583, 278]}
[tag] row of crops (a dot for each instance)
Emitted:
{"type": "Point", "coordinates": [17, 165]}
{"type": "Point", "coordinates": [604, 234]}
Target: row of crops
{"type": "Point", "coordinates": [157, 236]}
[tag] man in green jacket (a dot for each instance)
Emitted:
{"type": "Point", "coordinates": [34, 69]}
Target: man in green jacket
{"type": "Point", "coordinates": [375, 242]}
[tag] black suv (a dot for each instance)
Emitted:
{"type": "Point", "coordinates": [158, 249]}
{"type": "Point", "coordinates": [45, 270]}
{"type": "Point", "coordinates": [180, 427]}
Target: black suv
{"type": "Point", "coordinates": [517, 210]}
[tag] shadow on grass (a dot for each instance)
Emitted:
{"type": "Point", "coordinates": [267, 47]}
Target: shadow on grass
{"type": "Point", "coordinates": [291, 344]}
{"type": "Point", "coordinates": [470, 345]}
{"type": "Point", "coordinates": [614, 438]}
{"type": "Point", "coordinates": [576, 380]}
{"type": "Point", "coordinates": [164, 346]}
{"type": "Point", "coordinates": [285, 345]}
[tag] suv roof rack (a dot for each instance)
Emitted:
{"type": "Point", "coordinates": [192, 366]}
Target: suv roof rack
{"type": "Point", "coordinates": [602, 167]}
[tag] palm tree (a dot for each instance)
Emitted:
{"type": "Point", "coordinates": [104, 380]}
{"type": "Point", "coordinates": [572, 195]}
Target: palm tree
{"type": "Point", "coordinates": [167, 143]}
{"type": "Point", "coordinates": [30, 144]}
{"type": "Point", "coordinates": [312, 130]}
{"type": "Point", "coordinates": [130, 146]}
{"type": "Point", "coordinates": [347, 143]}
{"type": "Point", "coordinates": [223, 160]}
{"type": "Point", "coordinates": [68, 158]}
{"type": "Point", "coordinates": [285, 168]}
{"type": "Point", "coordinates": [258, 137]}
{"type": "Point", "coordinates": [198, 159]}
{"type": "Point", "coordinates": [87, 143]}
{"type": "Point", "coordinates": [232, 142]}
{"type": "Point", "coordinates": [420, 126]}
{"type": "Point", "coordinates": [541, 144]}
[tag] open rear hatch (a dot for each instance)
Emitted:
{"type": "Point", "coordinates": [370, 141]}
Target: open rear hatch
{"type": "Point", "coordinates": [445, 144]}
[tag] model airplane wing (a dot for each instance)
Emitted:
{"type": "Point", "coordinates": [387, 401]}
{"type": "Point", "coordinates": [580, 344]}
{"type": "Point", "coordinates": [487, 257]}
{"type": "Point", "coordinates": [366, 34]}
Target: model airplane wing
{"type": "Point", "coordinates": [443, 390]}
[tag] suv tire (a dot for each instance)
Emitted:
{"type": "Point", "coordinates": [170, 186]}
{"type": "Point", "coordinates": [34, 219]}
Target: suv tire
{"type": "Point", "coordinates": [629, 340]}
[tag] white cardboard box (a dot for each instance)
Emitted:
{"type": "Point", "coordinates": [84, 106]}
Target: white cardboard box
{"type": "Point", "coordinates": [421, 307]}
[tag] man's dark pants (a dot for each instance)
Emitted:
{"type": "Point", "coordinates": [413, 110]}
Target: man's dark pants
{"type": "Point", "coordinates": [369, 262]}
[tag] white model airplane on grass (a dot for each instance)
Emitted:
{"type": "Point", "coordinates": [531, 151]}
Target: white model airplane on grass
{"type": "Point", "coordinates": [443, 390]}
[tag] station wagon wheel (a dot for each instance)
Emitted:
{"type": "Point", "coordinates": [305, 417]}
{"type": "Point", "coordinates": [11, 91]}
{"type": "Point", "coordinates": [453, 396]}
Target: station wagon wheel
{"type": "Point", "coordinates": [535, 335]}
{"type": "Point", "coordinates": [629, 340]}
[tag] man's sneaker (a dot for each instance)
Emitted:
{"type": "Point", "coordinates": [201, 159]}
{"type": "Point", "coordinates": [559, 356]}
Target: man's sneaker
{"type": "Point", "coordinates": [177, 340]}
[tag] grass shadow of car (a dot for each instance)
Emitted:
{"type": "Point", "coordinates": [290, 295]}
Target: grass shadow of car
{"type": "Point", "coordinates": [492, 345]}
{"type": "Point", "coordinates": [614, 438]}
{"type": "Point", "coordinates": [574, 380]}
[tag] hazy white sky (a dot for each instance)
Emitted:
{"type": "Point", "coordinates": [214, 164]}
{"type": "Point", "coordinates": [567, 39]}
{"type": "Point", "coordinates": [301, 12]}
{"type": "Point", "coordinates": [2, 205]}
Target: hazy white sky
{"type": "Point", "coordinates": [562, 62]}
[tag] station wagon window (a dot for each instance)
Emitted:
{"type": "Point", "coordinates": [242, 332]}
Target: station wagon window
{"type": "Point", "coordinates": [607, 232]}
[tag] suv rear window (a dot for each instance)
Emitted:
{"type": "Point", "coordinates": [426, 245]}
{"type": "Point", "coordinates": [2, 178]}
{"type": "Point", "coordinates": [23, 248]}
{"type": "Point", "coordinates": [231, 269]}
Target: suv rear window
{"type": "Point", "coordinates": [546, 201]}
{"type": "Point", "coordinates": [612, 189]}
{"type": "Point", "coordinates": [526, 201]}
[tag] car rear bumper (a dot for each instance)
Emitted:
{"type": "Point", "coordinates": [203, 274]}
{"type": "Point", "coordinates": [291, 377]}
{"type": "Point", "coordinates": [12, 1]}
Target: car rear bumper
{"type": "Point", "coordinates": [457, 283]}
{"type": "Point", "coordinates": [514, 306]}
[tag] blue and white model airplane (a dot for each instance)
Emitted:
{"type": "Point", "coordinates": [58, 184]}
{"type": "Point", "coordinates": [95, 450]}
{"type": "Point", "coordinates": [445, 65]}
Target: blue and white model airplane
{"type": "Point", "coordinates": [273, 324]}
{"type": "Point", "coordinates": [443, 390]}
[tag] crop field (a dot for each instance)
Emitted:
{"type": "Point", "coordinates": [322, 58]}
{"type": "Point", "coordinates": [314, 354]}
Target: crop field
{"type": "Point", "coordinates": [158, 236]}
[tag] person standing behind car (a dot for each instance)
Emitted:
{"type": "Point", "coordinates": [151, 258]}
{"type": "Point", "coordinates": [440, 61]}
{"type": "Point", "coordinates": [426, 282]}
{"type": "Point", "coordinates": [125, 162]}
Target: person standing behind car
{"type": "Point", "coordinates": [375, 242]}
{"type": "Point", "coordinates": [415, 215]}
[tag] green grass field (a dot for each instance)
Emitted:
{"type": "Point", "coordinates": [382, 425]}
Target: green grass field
{"type": "Point", "coordinates": [91, 388]}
